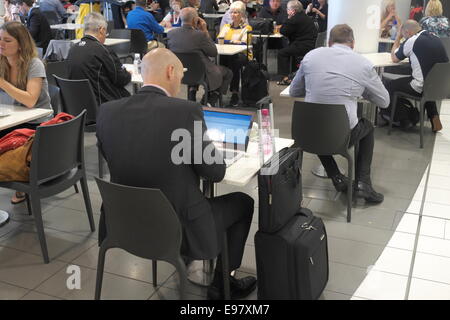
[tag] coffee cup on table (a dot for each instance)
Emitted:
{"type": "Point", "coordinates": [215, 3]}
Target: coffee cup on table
{"type": "Point", "coordinates": [220, 40]}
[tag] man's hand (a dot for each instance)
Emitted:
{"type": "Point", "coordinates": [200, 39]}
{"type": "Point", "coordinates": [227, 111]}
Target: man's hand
{"type": "Point", "coordinates": [154, 6]}
{"type": "Point", "coordinates": [396, 45]}
{"type": "Point", "coordinates": [201, 25]}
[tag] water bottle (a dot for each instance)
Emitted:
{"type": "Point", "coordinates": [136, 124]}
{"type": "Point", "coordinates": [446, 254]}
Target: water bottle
{"type": "Point", "coordinates": [394, 30]}
{"type": "Point", "coordinates": [266, 132]}
{"type": "Point", "coordinates": [137, 63]}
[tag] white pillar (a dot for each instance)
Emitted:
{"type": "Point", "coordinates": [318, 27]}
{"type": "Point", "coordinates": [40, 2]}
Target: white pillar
{"type": "Point", "coordinates": [403, 8]}
{"type": "Point", "coordinates": [363, 16]}
{"type": "Point", "coordinates": [2, 7]}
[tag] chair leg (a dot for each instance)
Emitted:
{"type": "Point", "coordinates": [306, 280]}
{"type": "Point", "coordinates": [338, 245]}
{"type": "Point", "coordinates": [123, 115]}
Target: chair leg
{"type": "Point", "coordinates": [76, 188]}
{"type": "Point", "coordinates": [421, 110]}
{"type": "Point", "coordinates": [350, 190]}
{"type": "Point", "coordinates": [36, 209]}
{"type": "Point", "coordinates": [182, 275]}
{"type": "Point", "coordinates": [154, 272]}
{"type": "Point", "coordinates": [100, 267]}
{"type": "Point", "coordinates": [225, 268]}
{"type": "Point", "coordinates": [100, 164]}
{"type": "Point", "coordinates": [87, 203]}
{"type": "Point", "coordinates": [393, 106]}
{"type": "Point", "coordinates": [28, 204]}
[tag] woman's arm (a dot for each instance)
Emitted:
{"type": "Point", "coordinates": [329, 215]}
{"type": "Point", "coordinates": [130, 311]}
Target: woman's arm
{"type": "Point", "coordinates": [27, 97]}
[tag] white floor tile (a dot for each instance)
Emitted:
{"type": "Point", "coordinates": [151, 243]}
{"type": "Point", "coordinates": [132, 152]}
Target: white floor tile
{"type": "Point", "coordinates": [414, 207]}
{"type": "Point", "coordinates": [431, 267]}
{"type": "Point", "coordinates": [439, 168]}
{"type": "Point", "coordinates": [428, 290]}
{"type": "Point", "coordinates": [382, 286]}
{"type": "Point", "coordinates": [441, 182]}
{"type": "Point", "coordinates": [408, 223]}
{"type": "Point", "coordinates": [418, 195]}
{"type": "Point", "coordinates": [447, 230]}
{"type": "Point", "coordinates": [436, 195]}
{"type": "Point", "coordinates": [394, 261]}
{"type": "Point", "coordinates": [432, 227]}
{"type": "Point", "coordinates": [436, 210]}
{"type": "Point", "coordinates": [402, 240]}
{"type": "Point", "coordinates": [434, 246]}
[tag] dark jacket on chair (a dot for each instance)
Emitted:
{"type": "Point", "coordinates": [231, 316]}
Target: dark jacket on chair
{"type": "Point", "coordinates": [188, 40]}
{"type": "Point", "coordinates": [89, 59]}
{"type": "Point", "coordinates": [134, 134]}
{"type": "Point", "coordinates": [300, 30]}
{"type": "Point", "coordinates": [39, 28]}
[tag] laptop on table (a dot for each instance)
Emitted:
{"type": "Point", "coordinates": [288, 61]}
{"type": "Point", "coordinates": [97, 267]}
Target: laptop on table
{"type": "Point", "coordinates": [229, 129]}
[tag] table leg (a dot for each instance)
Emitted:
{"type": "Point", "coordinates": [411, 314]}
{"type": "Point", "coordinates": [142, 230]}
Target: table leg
{"type": "Point", "coordinates": [265, 48]}
{"type": "Point", "coordinates": [4, 218]}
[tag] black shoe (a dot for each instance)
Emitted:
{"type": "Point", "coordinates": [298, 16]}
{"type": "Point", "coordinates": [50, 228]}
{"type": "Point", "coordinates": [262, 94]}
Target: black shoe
{"type": "Point", "coordinates": [234, 100]}
{"type": "Point", "coordinates": [365, 190]}
{"type": "Point", "coordinates": [239, 289]}
{"type": "Point", "coordinates": [192, 95]}
{"type": "Point", "coordinates": [213, 97]}
{"type": "Point", "coordinates": [406, 124]}
{"type": "Point", "coordinates": [340, 182]}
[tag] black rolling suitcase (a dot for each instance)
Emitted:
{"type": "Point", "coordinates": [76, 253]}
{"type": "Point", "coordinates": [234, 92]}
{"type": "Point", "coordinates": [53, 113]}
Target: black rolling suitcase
{"type": "Point", "coordinates": [292, 263]}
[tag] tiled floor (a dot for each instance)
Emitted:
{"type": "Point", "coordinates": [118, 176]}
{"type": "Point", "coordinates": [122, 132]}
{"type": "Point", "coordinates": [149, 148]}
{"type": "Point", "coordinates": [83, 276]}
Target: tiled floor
{"type": "Point", "coordinates": [370, 258]}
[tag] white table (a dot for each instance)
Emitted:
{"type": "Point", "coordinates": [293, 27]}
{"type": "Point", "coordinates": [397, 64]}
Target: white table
{"type": "Point", "coordinates": [242, 171]}
{"type": "Point", "coordinates": [136, 77]}
{"type": "Point", "coordinates": [213, 15]}
{"type": "Point", "coordinates": [18, 116]}
{"type": "Point", "coordinates": [231, 49]}
{"type": "Point", "coordinates": [108, 41]}
{"type": "Point", "coordinates": [66, 26]}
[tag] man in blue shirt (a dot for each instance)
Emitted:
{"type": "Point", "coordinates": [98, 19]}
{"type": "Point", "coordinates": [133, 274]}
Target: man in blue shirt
{"type": "Point", "coordinates": [143, 20]}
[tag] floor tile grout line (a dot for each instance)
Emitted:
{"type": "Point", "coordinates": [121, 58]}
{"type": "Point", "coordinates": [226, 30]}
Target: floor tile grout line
{"type": "Point", "coordinates": [419, 223]}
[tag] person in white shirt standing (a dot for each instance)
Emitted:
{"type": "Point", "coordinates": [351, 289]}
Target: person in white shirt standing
{"type": "Point", "coordinates": [338, 75]}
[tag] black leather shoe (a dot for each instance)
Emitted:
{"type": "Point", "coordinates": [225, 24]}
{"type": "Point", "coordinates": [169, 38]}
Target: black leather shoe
{"type": "Point", "coordinates": [239, 289]}
{"type": "Point", "coordinates": [340, 182]}
{"type": "Point", "coordinates": [365, 190]}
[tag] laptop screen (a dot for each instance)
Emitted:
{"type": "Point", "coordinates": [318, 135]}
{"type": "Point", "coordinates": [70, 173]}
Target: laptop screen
{"type": "Point", "coordinates": [228, 128]}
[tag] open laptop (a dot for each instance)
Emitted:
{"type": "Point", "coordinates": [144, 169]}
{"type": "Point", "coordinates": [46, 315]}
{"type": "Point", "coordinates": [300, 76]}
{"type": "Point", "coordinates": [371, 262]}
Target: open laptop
{"type": "Point", "coordinates": [229, 130]}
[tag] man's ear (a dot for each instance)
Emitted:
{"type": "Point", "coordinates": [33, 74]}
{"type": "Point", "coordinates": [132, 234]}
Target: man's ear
{"type": "Point", "coordinates": [170, 72]}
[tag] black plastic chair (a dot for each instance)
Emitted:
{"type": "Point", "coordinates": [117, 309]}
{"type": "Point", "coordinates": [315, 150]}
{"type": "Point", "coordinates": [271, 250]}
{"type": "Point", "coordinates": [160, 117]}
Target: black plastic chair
{"type": "Point", "coordinates": [57, 164]}
{"type": "Point", "coordinates": [55, 99]}
{"type": "Point", "coordinates": [123, 50]}
{"type": "Point", "coordinates": [436, 87]}
{"type": "Point", "coordinates": [150, 228]}
{"type": "Point", "coordinates": [77, 95]}
{"type": "Point", "coordinates": [138, 42]}
{"type": "Point", "coordinates": [446, 43]}
{"type": "Point", "coordinates": [56, 68]}
{"type": "Point", "coordinates": [196, 71]}
{"type": "Point", "coordinates": [324, 129]}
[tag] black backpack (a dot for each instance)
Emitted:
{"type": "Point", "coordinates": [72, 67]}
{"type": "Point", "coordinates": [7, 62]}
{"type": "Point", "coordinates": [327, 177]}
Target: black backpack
{"type": "Point", "coordinates": [261, 25]}
{"type": "Point", "coordinates": [255, 83]}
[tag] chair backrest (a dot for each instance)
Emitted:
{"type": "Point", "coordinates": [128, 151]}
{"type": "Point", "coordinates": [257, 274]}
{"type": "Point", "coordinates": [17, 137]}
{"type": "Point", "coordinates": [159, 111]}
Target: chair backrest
{"type": "Point", "coordinates": [321, 39]}
{"type": "Point", "coordinates": [57, 149]}
{"type": "Point", "coordinates": [437, 83]}
{"type": "Point", "coordinates": [322, 129]}
{"type": "Point", "coordinates": [138, 42]}
{"type": "Point", "coordinates": [58, 50]}
{"type": "Point", "coordinates": [77, 95]}
{"type": "Point", "coordinates": [196, 69]}
{"type": "Point", "coordinates": [141, 221]}
{"type": "Point", "coordinates": [55, 99]}
{"type": "Point", "coordinates": [121, 48]}
{"type": "Point", "coordinates": [56, 68]}
{"type": "Point", "coordinates": [446, 43]}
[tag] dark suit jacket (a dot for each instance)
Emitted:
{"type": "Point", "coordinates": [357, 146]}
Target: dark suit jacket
{"type": "Point", "coordinates": [186, 40]}
{"type": "Point", "coordinates": [39, 28]}
{"type": "Point", "coordinates": [89, 59]}
{"type": "Point", "coordinates": [279, 17]}
{"type": "Point", "coordinates": [300, 30]}
{"type": "Point", "coordinates": [134, 135]}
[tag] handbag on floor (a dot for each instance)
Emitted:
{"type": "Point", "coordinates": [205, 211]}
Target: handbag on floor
{"type": "Point", "coordinates": [292, 264]}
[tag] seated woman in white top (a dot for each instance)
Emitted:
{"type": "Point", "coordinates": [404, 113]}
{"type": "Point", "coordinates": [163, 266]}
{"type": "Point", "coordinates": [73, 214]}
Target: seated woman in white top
{"type": "Point", "coordinates": [172, 19]}
{"type": "Point", "coordinates": [22, 75]}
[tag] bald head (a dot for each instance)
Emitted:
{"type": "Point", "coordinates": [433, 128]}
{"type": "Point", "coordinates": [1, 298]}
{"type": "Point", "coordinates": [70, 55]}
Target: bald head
{"type": "Point", "coordinates": [187, 15]}
{"type": "Point", "coordinates": [162, 67]}
{"type": "Point", "coordinates": [410, 28]}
